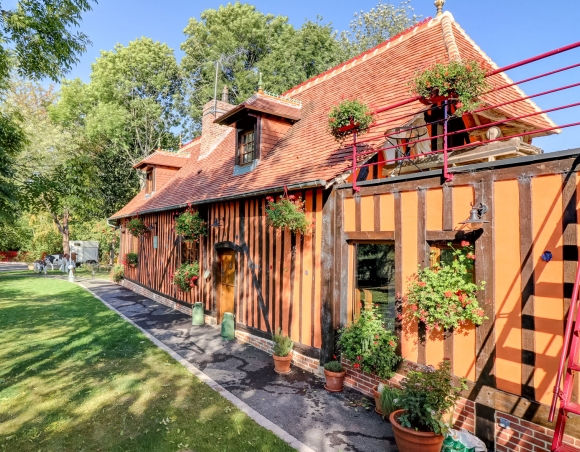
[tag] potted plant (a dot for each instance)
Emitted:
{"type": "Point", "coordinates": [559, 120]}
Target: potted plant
{"type": "Point", "coordinates": [347, 117]}
{"type": "Point", "coordinates": [426, 396]}
{"type": "Point", "coordinates": [462, 81]}
{"type": "Point", "coordinates": [334, 374]}
{"type": "Point", "coordinates": [444, 296]}
{"type": "Point", "coordinates": [131, 259]}
{"type": "Point", "coordinates": [367, 344]}
{"type": "Point", "coordinates": [288, 212]}
{"type": "Point", "coordinates": [136, 227]}
{"type": "Point", "coordinates": [28, 258]}
{"type": "Point", "coordinates": [389, 400]}
{"type": "Point", "coordinates": [190, 225]}
{"type": "Point", "coordinates": [186, 276]}
{"type": "Point", "coordinates": [117, 273]}
{"type": "Point", "coordinates": [377, 392]}
{"type": "Point", "coordinates": [282, 352]}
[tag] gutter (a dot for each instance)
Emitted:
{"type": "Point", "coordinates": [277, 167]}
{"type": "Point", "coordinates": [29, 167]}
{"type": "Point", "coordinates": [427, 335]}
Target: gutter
{"type": "Point", "coordinates": [266, 191]}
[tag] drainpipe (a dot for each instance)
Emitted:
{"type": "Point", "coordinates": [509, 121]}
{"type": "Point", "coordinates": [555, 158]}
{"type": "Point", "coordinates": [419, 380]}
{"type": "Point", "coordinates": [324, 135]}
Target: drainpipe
{"type": "Point", "coordinates": [112, 260]}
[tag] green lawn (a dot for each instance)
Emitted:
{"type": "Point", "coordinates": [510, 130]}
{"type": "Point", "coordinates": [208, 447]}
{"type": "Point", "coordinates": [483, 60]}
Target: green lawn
{"type": "Point", "coordinates": [76, 377]}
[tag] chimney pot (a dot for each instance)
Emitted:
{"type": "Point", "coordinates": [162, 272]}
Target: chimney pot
{"type": "Point", "coordinates": [225, 94]}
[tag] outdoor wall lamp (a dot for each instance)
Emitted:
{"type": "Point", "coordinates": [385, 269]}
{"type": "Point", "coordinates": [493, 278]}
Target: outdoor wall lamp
{"type": "Point", "coordinates": [474, 221]}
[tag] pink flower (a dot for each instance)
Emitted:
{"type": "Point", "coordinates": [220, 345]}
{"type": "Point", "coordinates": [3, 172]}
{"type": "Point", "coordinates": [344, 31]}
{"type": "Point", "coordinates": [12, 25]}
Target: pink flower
{"type": "Point", "coordinates": [414, 308]}
{"type": "Point", "coordinates": [470, 256]}
{"type": "Point", "coordinates": [422, 284]}
{"type": "Point", "coordinates": [465, 243]}
{"type": "Point", "coordinates": [356, 366]}
{"type": "Point", "coordinates": [448, 294]}
{"type": "Point", "coordinates": [291, 197]}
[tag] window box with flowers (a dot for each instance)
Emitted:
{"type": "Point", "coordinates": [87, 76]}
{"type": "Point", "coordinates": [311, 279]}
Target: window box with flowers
{"type": "Point", "coordinates": [136, 227]}
{"type": "Point", "coordinates": [288, 212]}
{"type": "Point", "coordinates": [131, 259]}
{"type": "Point", "coordinates": [186, 276]}
{"type": "Point", "coordinates": [461, 81]}
{"type": "Point", "coordinates": [368, 345]}
{"type": "Point", "coordinates": [347, 117]}
{"type": "Point", "coordinates": [190, 225]}
{"type": "Point", "coordinates": [444, 296]}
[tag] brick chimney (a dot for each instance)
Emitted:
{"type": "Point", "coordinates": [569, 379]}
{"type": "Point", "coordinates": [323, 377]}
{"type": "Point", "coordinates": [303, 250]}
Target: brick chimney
{"type": "Point", "coordinates": [212, 134]}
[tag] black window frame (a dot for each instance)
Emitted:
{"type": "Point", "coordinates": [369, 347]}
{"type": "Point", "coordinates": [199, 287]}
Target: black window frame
{"type": "Point", "coordinates": [251, 123]}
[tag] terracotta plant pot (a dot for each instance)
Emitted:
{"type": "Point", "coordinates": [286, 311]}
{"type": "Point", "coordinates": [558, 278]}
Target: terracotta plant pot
{"type": "Point", "coordinates": [334, 380]}
{"type": "Point", "coordinates": [30, 267]}
{"type": "Point", "coordinates": [377, 396]}
{"type": "Point", "coordinates": [412, 441]}
{"type": "Point", "coordinates": [282, 364]}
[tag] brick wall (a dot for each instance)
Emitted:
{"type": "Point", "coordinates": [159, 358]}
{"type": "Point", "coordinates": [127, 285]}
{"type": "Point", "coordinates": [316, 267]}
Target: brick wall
{"type": "Point", "coordinates": [464, 416]}
{"type": "Point", "coordinates": [301, 361]}
{"type": "Point", "coordinates": [524, 436]}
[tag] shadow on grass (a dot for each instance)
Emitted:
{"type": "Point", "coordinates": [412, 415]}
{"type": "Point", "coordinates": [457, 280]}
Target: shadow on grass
{"type": "Point", "coordinates": [74, 376]}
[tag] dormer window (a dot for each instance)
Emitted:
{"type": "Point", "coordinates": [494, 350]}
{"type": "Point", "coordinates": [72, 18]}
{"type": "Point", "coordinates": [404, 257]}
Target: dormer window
{"type": "Point", "coordinates": [247, 147]}
{"type": "Point", "coordinates": [150, 181]}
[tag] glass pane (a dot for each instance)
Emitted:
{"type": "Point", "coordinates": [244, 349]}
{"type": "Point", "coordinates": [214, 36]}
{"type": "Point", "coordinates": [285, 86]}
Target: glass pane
{"type": "Point", "coordinates": [375, 279]}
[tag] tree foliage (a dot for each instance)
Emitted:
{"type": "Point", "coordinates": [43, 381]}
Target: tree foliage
{"type": "Point", "coordinates": [245, 41]}
{"type": "Point", "coordinates": [369, 29]}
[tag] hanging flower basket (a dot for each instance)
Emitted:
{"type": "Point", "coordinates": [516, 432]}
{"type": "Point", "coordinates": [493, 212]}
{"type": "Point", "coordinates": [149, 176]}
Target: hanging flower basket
{"type": "Point", "coordinates": [462, 82]}
{"type": "Point", "coordinates": [444, 297]}
{"type": "Point", "coordinates": [186, 276]}
{"type": "Point", "coordinates": [131, 259]}
{"type": "Point", "coordinates": [136, 227]}
{"type": "Point", "coordinates": [288, 212]}
{"type": "Point", "coordinates": [190, 225]}
{"type": "Point", "coordinates": [347, 117]}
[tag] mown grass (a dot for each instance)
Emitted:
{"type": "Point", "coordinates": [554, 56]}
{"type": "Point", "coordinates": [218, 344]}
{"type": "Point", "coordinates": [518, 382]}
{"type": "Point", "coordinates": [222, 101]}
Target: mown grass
{"type": "Point", "coordinates": [75, 377]}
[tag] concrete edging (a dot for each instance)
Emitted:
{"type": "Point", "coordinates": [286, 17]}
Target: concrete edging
{"type": "Point", "coordinates": [241, 405]}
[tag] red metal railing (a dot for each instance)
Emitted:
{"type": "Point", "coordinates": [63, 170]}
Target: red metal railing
{"type": "Point", "coordinates": [360, 156]}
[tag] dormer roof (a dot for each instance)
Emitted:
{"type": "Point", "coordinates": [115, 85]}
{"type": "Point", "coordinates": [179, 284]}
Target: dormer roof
{"type": "Point", "coordinates": [263, 103]}
{"type": "Point", "coordinates": [164, 158]}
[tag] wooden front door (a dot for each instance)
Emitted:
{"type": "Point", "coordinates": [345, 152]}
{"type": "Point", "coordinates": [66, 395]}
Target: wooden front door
{"type": "Point", "coordinates": [226, 283]}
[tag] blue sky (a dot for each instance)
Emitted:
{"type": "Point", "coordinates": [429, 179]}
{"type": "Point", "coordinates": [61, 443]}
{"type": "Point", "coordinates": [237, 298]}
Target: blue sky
{"type": "Point", "coordinates": [507, 30]}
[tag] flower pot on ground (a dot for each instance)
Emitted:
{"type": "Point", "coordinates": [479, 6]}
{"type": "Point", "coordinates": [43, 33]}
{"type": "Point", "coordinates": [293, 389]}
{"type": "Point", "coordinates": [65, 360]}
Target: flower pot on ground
{"type": "Point", "coordinates": [334, 374]}
{"type": "Point", "coordinates": [426, 396]}
{"type": "Point", "coordinates": [409, 440]}
{"type": "Point", "coordinates": [389, 400]}
{"type": "Point", "coordinates": [282, 352]}
{"type": "Point", "coordinates": [117, 273]}
{"type": "Point", "coordinates": [30, 266]}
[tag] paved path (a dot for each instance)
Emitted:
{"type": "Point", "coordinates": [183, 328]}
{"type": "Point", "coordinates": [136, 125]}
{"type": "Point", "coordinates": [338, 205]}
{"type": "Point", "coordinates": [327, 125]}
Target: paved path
{"type": "Point", "coordinates": [297, 402]}
{"type": "Point", "coordinates": [12, 266]}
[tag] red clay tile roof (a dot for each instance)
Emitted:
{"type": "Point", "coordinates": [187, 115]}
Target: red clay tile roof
{"type": "Point", "coordinates": [164, 158]}
{"type": "Point", "coordinates": [308, 154]}
{"type": "Point", "coordinates": [263, 103]}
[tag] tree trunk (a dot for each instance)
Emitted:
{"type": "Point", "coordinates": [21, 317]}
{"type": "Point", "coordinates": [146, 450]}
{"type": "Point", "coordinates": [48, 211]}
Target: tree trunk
{"type": "Point", "coordinates": [65, 233]}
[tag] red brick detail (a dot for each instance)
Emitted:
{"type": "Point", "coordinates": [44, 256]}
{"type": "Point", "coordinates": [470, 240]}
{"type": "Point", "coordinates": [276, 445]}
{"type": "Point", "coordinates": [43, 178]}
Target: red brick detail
{"type": "Point", "coordinates": [524, 436]}
{"type": "Point", "coordinates": [463, 417]}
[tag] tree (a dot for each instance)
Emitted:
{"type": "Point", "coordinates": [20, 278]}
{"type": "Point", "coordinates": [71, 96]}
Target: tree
{"type": "Point", "coordinates": [369, 29]}
{"type": "Point", "coordinates": [37, 37]}
{"type": "Point", "coordinates": [244, 42]}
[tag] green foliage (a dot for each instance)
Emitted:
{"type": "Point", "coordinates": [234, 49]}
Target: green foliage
{"type": "Point", "coordinates": [334, 366]}
{"type": "Point", "coordinates": [186, 276]}
{"type": "Point", "coordinates": [36, 36]}
{"type": "Point", "coordinates": [117, 273]}
{"type": "Point", "coordinates": [426, 396]}
{"type": "Point", "coordinates": [342, 114]}
{"type": "Point", "coordinates": [190, 225]}
{"type": "Point", "coordinates": [368, 345]}
{"type": "Point", "coordinates": [12, 142]}
{"type": "Point", "coordinates": [136, 227]}
{"type": "Point", "coordinates": [288, 212]}
{"type": "Point", "coordinates": [371, 28]}
{"type": "Point", "coordinates": [389, 400]}
{"type": "Point", "coordinates": [444, 297]}
{"type": "Point", "coordinates": [246, 41]}
{"type": "Point", "coordinates": [131, 259]}
{"type": "Point", "coordinates": [57, 333]}
{"type": "Point", "coordinates": [463, 81]}
{"type": "Point", "coordinates": [282, 344]}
